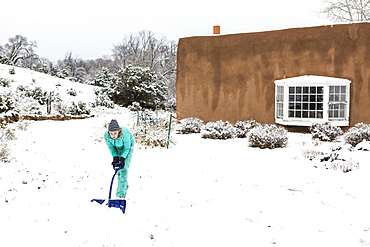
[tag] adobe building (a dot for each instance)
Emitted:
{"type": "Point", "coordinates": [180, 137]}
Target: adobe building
{"type": "Point", "coordinates": [293, 77]}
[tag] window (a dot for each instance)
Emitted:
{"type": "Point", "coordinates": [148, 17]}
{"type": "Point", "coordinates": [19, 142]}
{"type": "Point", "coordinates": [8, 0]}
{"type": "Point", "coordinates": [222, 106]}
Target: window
{"type": "Point", "coordinates": [279, 101]}
{"type": "Point", "coordinates": [304, 100]}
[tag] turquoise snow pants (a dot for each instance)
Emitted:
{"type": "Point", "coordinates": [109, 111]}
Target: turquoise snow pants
{"type": "Point", "coordinates": [122, 176]}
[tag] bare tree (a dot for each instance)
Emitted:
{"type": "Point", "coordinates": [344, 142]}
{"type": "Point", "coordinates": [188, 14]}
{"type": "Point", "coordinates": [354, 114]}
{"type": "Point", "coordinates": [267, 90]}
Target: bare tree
{"type": "Point", "coordinates": [21, 52]}
{"type": "Point", "coordinates": [148, 51]}
{"type": "Point", "coordinates": [347, 10]}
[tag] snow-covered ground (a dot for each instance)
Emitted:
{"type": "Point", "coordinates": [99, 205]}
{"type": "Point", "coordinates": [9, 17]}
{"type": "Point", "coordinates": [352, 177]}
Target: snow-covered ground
{"type": "Point", "coordinates": [199, 192]}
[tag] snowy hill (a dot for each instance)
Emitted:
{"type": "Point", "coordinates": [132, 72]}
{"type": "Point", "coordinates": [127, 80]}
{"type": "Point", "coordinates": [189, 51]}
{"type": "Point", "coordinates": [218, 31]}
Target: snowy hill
{"type": "Point", "coordinates": [67, 91]}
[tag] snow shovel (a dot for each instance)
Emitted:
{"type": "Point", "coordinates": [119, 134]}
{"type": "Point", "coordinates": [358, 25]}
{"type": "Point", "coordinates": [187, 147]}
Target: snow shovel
{"type": "Point", "coordinates": [115, 203]}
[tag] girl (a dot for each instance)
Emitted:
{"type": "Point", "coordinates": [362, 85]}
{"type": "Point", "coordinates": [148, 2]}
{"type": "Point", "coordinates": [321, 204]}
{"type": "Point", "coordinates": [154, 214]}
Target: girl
{"type": "Point", "coordinates": [121, 145]}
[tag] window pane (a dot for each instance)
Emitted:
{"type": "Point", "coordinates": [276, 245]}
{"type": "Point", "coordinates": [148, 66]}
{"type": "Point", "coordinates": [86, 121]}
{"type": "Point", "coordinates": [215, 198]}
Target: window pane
{"type": "Point", "coordinates": [312, 90]}
{"type": "Point", "coordinates": [320, 98]}
{"type": "Point", "coordinates": [320, 90]}
{"type": "Point", "coordinates": [298, 89]}
{"type": "Point", "coordinates": [305, 90]}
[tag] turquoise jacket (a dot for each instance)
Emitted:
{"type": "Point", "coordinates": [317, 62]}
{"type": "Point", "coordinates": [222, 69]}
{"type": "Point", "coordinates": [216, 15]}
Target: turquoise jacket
{"type": "Point", "coordinates": [122, 145]}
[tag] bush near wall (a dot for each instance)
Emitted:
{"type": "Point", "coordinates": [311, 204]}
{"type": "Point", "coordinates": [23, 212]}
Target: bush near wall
{"type": "Point", "coordinates": [357, 134]}
{"type": "Point", "coordinates": [268, 136]}
{"type": "Point", "coordinates": [325, 131]}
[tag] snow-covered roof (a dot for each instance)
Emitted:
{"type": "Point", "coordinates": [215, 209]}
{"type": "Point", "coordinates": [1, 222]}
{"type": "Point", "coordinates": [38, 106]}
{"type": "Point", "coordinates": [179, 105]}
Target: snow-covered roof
{"type": "Point", "coordinates": [313, 79]}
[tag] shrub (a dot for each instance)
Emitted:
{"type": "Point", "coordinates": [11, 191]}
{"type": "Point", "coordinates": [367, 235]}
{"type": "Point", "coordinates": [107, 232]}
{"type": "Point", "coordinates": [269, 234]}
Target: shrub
{"type": "Point", "coordinates": [218, 130]}
{"type": "Point", "coordinates": [268, 136]}
{"type": "Point", "coordinates": [28, 106]}
{"type": "Point", "coordinates": [190, 125]}
{"type": "Point", "coordinates": [4, 82]}
{"type": "Point", "coordinates": [60, 107]}
{"type": "Point", "coordinates": [79, 109]}
{"type": "Point", "coordinates": [12, 71]}
{"type": "Point", "coordinates": [243, 127]}
{"type": "Point", "coordinates": [37, 93]}
{"type": "Point", "coordinates": [345, 165]}
{"type": "Point", "coordinates": [7, 102]}
{"type": "Point", "coordinates": [4, 152]}
{"type": "Point", "coordinates": [357, 134]}
{"type": "Point", "coordinates": [102, 99]}
{"type": "Point", "coordinates": [325, 132]}
{"type": "Point", "coordinates": [72, 92]}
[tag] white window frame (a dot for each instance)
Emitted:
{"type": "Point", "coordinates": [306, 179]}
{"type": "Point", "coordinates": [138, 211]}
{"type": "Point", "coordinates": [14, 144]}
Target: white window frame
{"type": "Point", "coordinates": [340, 104]}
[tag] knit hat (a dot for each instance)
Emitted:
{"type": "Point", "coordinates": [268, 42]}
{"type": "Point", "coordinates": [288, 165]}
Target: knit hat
{"type": "Point", "coordinates": [113, 125]}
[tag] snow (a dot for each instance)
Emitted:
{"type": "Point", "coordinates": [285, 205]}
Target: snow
{"type": "Point", "coordinates": [199, 192]}
{"type": "Point", "coordinates": [33, 79]}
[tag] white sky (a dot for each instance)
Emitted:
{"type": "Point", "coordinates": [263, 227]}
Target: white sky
{"type": "Point", "coordinates": [90, 28]}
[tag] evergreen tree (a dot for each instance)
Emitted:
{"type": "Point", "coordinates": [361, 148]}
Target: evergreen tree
{"type": "Point", "coordinates": [136, 84]}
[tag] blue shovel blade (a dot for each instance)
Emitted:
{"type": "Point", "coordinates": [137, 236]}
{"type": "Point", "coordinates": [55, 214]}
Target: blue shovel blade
{"type": "Point", "coordinates": [117, 203]}
{"type": "Point", "coordinates": [100, 201]}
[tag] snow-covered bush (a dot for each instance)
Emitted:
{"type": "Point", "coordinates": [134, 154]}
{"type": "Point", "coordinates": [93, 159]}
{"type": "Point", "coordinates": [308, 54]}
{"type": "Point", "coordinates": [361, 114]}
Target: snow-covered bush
{"type": "Point", "coordinates": [12, 71]}
{"type": "Point", "coordinates": [28, 105]}
{"type": "Point", "coordinates": [190, 125]}
{"type": "Point", "coordinates": [268, 136]}
{"type": "Point", "coordinates": [4, 152]}
{"type": "Point", "coordinates": [345, 165]}
{"type": "Point", "coordinates": [325, 132]}
{"type": "Point", "coordinates": [60, 107]}
{"type": "Point", "coordinates": [358, 133]}
{"type": "Point", "coordinates": [5, 82]}
{"type": "Point", "coordinates": [79, 109]}
{"type": "Point", "coordinates": [72, 92]}
{"type": "Point", "coordinates": [102, 99]}
{"type": "Point", "coordinates": [136, 84]}
{"type": "Point", "coordinates": [339, 157]}
{"type": "Point", "coordinates": [7, 101]}
{"type": "Point", "coordinates": [243, 127]}
{"type": "Point", "coordinates": [36, 93]}
{"type": "Point", "coordinates": [218, 130]}
{"type": "Point", "coordinates": [6, 135]}
{"type": "Point", "coordinates": [135, 106]}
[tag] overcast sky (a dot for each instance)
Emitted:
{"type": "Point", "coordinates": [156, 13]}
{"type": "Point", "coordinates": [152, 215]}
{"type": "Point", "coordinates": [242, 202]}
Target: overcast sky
{"type": "Point", "coordinates": [89, 29]}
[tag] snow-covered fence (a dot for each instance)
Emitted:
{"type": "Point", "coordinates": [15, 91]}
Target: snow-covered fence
{"type": "Point", "coordinates": [152, 128]}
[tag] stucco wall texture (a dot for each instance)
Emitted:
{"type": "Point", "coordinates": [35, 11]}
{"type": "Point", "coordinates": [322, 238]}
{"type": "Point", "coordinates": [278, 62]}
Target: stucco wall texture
{"type": "Point", "coordinates": [231, 77]}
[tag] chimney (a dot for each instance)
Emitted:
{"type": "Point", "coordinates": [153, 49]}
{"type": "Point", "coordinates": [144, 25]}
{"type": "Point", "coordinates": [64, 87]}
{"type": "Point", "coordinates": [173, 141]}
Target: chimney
{"type": "Point", "coordinates": [216, 29]}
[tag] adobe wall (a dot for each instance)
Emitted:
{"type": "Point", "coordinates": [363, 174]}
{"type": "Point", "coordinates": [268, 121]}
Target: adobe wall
{"type": "Point", "coordinates": [231, 77]}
